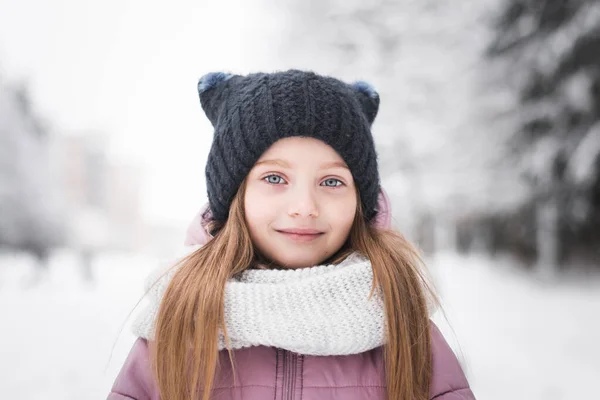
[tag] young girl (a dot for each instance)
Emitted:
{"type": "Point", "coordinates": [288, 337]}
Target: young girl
{"type": "Point", "coordinates": [300, 289]}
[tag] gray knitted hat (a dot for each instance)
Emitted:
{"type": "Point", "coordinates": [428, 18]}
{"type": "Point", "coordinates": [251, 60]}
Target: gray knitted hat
{"type": "Point", "coordinates": [250, 113]}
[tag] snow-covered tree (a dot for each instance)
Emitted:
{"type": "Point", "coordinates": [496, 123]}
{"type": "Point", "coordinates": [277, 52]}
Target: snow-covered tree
{"type": "Point", "coordinates": [549, 53]}
{"type": "Point", "coordinates": [29, 203]}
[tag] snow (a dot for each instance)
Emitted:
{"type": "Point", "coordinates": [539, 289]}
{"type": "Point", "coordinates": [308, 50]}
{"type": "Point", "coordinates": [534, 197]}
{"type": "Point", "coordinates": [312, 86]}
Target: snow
{"type": "Point", "coordinates": [517, 337]}
{"type": "Point", "coordinates": [521, 337]}
{"type": "Point", "coordinates": [582, 162]}
{"type": "Point", "coordinates": [57, 336]}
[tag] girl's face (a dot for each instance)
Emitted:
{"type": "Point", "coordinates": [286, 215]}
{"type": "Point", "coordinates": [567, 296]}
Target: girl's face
{"type": "Point", "coordinates": [300, 202]}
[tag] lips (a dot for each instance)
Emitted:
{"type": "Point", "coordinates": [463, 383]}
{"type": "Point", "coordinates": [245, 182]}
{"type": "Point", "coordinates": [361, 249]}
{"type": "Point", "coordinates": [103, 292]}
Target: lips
{"type": "Point", "coordinates": [301, 231]}
{"type": "Point", "coordinates": [301, 234]}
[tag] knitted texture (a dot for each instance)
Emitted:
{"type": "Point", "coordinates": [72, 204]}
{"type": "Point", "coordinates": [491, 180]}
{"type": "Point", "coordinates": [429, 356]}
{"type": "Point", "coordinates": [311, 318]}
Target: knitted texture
{"type": "Point", "coordinates": [322, 310]}
{"type": "Point", "coordinates": [250, 113]}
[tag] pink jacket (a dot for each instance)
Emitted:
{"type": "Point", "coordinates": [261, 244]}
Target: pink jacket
{"type": "Point", "coordinates": [271, 373]}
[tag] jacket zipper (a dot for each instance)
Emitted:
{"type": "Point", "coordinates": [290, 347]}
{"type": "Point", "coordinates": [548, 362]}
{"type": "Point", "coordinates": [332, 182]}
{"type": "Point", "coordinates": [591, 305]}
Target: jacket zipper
{"type": "Point", "coordinates": [290, 363]}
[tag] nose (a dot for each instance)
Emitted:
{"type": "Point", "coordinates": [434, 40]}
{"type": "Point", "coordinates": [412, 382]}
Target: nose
{"type": "Point", "coordinates": [303, 204]}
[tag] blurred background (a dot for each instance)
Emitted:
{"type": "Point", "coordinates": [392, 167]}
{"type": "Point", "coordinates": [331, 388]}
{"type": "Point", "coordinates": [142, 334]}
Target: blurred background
{"type": "Point", "coordinates": [489, 147]}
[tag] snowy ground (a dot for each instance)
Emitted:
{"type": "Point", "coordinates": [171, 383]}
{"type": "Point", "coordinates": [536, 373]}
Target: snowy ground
{"type": "Point", "coordinates": [521, 338]}
{"type": "Point", "coordinates": [517, 338]}
{"type": "Point", "coordinates": [56, 338]}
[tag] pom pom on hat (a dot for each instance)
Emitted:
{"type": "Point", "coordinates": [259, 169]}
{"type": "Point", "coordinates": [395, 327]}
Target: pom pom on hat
{"type": "Point", "coordinates": [366, 88]}
{"type": "Point", "coordinates": [211, 80]}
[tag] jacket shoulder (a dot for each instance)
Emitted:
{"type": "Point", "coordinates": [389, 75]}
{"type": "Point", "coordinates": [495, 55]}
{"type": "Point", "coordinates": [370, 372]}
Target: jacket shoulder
{"type": "Point", "coordinates": [135, 380]}
{"type": "Point", "coordinates": [448, 380]}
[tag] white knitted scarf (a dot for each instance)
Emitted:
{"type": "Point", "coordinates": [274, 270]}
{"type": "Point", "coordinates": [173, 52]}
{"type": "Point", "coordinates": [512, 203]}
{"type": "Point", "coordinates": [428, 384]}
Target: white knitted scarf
{"type": "Point", "coordinates": [321, 310]}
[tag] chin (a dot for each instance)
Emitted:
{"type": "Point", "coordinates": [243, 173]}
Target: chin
{"type": "Point", "coordinates": [299, 261]}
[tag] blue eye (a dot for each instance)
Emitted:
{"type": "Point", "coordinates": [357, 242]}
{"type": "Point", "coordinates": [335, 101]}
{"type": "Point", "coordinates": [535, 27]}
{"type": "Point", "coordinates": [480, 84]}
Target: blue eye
{"type": "Point", "coordinates": [331, 182]}
{"type": "Point", "coordinates": [274, 179]}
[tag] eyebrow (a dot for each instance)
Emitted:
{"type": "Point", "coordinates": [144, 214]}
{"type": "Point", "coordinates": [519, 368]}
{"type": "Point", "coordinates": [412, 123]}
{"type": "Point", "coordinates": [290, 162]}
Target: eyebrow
{"type": "Point", "coordinates": [281, 163]}
{"type": "Point", "coordinates": [285, 164]}
{"type": "Point", "coordinates": [335, 164]}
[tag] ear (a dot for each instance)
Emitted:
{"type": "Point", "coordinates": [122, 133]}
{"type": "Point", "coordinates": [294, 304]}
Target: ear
{"type": "Point", "coordinates": [210, 90]}
{"type": "Point", "coordinates": [368, 98]}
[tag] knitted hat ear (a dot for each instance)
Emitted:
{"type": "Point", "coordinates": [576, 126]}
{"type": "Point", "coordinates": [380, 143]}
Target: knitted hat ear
{"type": "Point", "coordinates": [368, 98]}
{"type": "Point", "coordinates": [212, 94]}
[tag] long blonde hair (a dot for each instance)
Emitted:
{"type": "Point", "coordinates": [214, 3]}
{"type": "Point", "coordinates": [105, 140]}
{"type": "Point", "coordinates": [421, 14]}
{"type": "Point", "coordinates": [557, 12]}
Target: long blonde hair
{"type": "Point", "coordinates": [185, 351]}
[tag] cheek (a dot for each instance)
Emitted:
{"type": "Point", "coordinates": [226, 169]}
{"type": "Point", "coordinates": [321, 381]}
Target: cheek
{"type": "Point", "coordinates": [257, 209]}
{"type": "Point", "coordinates": [341, 214]}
